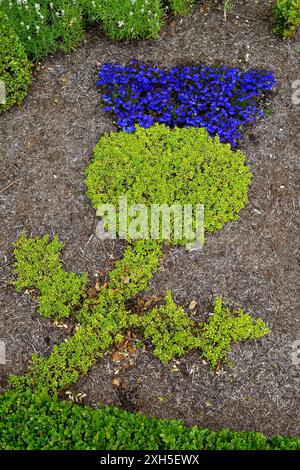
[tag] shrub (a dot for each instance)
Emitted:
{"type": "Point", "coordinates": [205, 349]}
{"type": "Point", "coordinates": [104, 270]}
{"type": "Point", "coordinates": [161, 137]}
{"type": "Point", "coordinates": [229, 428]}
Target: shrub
{"type": "Point", "coordinates": [15, 69]}
{"type": "Point", "coordinates": [287, 17]}
{"type": "Point", "coordinates": [225, 327]}
{"type": "Point", "coordinates": [31, 421]}
{"type": "Point", "coordinates": [38, 266]}
{"type": "Point", "coordinates": [219, 99]}
{"type": "Point", "coordinates": [160, 165]}
{"type": "Point", "coordinates": [169, 329]}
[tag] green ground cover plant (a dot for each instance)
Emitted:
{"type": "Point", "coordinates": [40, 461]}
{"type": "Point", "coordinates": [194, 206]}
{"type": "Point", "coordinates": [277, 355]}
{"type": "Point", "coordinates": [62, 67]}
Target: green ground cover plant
{"type": "Point", "coordinates": [15, 69]}
{"type": "Point", "coordinates": [102, 319]}
{"type": "Point", "coordinates": [35, 421]}
{"type": "Point", "coordinates": [38, 266]}
{"type": "Point", "coordinates": [287, 17]}
{"type": "Point", "coordinates": [160, 165]}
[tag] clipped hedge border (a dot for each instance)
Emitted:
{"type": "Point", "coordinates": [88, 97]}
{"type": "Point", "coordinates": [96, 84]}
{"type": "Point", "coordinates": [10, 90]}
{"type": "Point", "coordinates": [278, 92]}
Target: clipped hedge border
{"type": "Point", "coordinates": [31, 421]}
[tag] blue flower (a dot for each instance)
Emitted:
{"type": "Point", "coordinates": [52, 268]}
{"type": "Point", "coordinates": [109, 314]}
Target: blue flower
{"type": "Point", "coordinates": [221, 99]}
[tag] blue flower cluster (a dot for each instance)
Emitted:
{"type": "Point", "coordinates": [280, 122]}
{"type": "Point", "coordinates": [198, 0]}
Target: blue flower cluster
{"type": "Point", "coordinates": [221, 99]}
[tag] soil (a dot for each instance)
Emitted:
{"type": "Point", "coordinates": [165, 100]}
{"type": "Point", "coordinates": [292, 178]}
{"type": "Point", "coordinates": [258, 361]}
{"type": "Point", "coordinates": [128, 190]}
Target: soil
{"type": "Point", "coordinates": [253, 263]}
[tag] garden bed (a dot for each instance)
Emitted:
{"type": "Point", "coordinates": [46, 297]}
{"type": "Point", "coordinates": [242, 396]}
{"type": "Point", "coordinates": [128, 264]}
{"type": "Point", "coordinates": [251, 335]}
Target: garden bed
{"type": "Point", "coordinates": [45, 147]}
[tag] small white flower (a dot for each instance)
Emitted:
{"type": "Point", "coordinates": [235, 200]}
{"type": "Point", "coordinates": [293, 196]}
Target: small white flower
{"type": "Point", "coordinates": [62, 12]}
{"type": "Point", "coordinates": [37, 29]}
{"type": "Point", "coordinates": [37, 6]}
{"type": "Point", "coordinates": [131, 13]}
{"type": "Point", "coordinates": [142, 10]}
{"type": "Point", "coordinates": [29, 38]}
{"type": "Point", "coordinates": [22, 24]}
{"type": "Point", "coordinates": [121, 23]}
{"type": "Point", "coordinates": [42, 17]}
{"type": "Point", "coordinates": [28, 27]}
{"type": "Point", "coordinates": [51, 5]}
{"type": "Point", "coordinates": [57, 13]}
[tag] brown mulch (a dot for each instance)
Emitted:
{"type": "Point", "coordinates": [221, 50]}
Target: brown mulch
{"type": "Point", "coordinates": [253, 263]}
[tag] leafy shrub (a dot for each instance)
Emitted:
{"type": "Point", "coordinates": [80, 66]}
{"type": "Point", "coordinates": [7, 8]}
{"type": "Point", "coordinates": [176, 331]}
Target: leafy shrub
{"type": "Point", "coordinates": [38, 266]}
{"type": "Point", "coordinates": [160, 165]}
{"type": "Point", "coordinates": [15, 69]}
{"type": "Point", "coordinates": [219, 99]}
{"type": "Point", "coordinates": [287, 17]}
{"type": "Point", "coordinates": [225, 327]}
{"type": "Point", "coordinates": [169, 329]}
{"type": "Point", "coordinates": [31, 421]}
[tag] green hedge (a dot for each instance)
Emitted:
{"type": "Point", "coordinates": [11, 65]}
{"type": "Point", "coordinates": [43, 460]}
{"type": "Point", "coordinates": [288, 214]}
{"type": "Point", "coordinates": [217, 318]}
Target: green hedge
{"type": "Point", "coordinates": [37, 422]}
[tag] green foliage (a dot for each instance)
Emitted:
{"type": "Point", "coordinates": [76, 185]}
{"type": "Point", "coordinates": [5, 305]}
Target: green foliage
{"type": "Point", "coordinates": [103, 318]}
{"type": "Point", "coordinates": [173, 333]}
{"type": "Point", "coordinates": [287, 17]}
{"type": "Point", "coordinates": [15, 69]}
{"type": "Point", "coordinates": [44, 26]}
{"type": "Point", "coordinates": [34, 421]}
{"type": "Point", "coordinates": [225, 327]}
{"type": "Point", "coordinates": [135, 270]}
{"type": "Point", "coordinates": [131, 19]}
{"type": "Point", "coordinates": [169, 329]}
{"type": "Point", "coordinates": [181, 7]}
{"type": "Point", "coordinates": [160, 165]}
{"type": "Point", "coordinates": [38, 266]}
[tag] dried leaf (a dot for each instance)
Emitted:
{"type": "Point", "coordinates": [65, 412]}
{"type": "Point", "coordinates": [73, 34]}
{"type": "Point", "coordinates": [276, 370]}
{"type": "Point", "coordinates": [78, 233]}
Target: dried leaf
{"type": "Point", "coordinates": [117, 356]}
{"type": "Point", "coordinates": [193, 304]}
{"type": "Point", "coordinates": [116, 382]}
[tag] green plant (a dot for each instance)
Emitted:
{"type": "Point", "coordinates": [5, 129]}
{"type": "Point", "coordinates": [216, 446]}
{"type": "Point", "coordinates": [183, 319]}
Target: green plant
{"type": "Point", "coordinates": [101, 319]}
{"type": "Point", "coordinates": [168, 327]}
{"type": "Point", "coordinates": [181, 7]}
{"type": "Point", "coordinates": [226, 8]}
{"type": "Point", "coordinates": [15, 69]}
{"type": "Point", "coordinates": [38, 266]}
{"type": "Point", "coordinates": [131, 19]}
{"type": "Point", "coordinates": [160, 166]}
{"type": "Point", "coordinates": [35, 421]}
{"type": "Point", "coordinates": [44, 26]}
{"type": "Point", "coordinates": [225, 327]}
{"type": "Point", "coordinates": [287, 17]}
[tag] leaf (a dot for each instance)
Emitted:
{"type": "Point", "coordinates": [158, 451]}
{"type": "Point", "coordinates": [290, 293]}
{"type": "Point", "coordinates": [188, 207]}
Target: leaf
{"type": "Point", "coordinates": [193, 304]}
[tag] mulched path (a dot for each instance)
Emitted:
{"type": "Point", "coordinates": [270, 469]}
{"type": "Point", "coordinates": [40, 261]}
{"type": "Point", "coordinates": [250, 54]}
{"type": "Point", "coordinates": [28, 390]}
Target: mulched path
{"type": "Point", "coordinates": [253, 263]}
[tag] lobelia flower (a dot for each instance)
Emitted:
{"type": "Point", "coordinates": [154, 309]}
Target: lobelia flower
{"type": "Point", "coordinates": [221, 99]}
